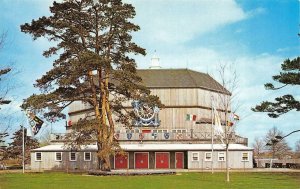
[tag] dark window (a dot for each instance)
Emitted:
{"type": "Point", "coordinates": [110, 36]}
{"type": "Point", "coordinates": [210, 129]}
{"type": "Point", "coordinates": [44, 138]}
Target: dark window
{"type": "Point", "coordinates": [87, 156]}
{"type": "Point", "coordinates": [58, 156]}
{"type": "Point", "coordinates": [38, 156]}
{"type": "Point", "coordinates": [72, 156]}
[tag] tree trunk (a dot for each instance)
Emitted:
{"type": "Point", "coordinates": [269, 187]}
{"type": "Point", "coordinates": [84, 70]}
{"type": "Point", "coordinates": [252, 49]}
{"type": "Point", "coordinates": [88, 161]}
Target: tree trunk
{"type": "Point", "coordinates": [103, 157]}
{"type": "Point", "coordinates": [106, 147]}
{"type": "Point", "coordinates": [227, 163]}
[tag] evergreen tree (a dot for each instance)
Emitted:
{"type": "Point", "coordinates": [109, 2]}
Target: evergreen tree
{"type": "Point", "coordinates": [94, 66]}
{"type": "Point", "coordinates": [290, 76]}
{"type": "Point", "coordinates": [3, 135]}
{"type": "Point", "coordinates": [15, 148]}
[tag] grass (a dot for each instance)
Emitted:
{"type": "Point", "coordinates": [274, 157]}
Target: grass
{"type": "Point", "coordinates": [182, 181]}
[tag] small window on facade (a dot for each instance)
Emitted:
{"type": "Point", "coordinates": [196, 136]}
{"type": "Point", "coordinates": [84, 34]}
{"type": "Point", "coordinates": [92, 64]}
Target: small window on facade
{"type": "Point", "coordinates": [184, 131]}
{"type": "Point", "coordinates": [174, 131]}
{"type": "Point", "coordinates": [58, 156]}
{"type": "Point", "coordinates": [159, 131]}
{"type": "Point", "coordinates": [195, 156]}
{"type": "Point", "coordinates": [87, 156]}
{"type": "Point", "coordinates": [137, 131]}
{"type": "Point", "coordinates": [38, 156]}
{"type": "Point", "coordinates": [221, 156]}
{"type": "Point", "coordinates": [129, 131]}
{"type": "Point", "coordinates": [208, 156]}
{"type": "Point", "coordinates": [72, 156]}
{"type": "Point", "coordinates": [245, 156]}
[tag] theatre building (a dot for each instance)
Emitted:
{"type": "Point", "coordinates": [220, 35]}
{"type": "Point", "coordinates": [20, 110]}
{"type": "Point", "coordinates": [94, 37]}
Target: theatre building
{"type": "Point", "coordinates": [179, 136]}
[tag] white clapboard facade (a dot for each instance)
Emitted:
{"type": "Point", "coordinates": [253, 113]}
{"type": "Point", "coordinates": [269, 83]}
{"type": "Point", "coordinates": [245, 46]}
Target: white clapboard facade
{"type": "Point", "coordinates": [161, 138]}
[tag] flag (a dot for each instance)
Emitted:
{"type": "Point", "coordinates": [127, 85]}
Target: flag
{"type": "Point", "coordinates": [35, 122]}
{"type": "Point", "coordinates": [229, 123]}
{"type": "Point", "coordinates": [191, 117]}
{"type": "Point", "coordinates": [28, 132]}
{"type": "Point", "coordinates": [217, 127]}
{"type": "Point", "coordinates": [236, 117]}
{"type": "Point", "coordinates": [217, 124]}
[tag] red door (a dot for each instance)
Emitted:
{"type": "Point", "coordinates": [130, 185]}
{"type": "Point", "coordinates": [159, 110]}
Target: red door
{"type": "Point", "coordinates": [121, 161]}
{"type": "Point", "coordinates": [141, 160]}
{"type": "Point", "coordinates": [162, 160]}
{"type": "Point", "coordinates": [179, 160]}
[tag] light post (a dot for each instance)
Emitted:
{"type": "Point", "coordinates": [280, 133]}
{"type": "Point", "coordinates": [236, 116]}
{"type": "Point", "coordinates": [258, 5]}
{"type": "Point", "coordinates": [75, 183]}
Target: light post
{"type": "Point", "coordinates": [280, 138]}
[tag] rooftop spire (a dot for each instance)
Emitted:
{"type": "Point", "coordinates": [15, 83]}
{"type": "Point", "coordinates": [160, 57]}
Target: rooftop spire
{"type": "Point", "coordinates": [154, 62]}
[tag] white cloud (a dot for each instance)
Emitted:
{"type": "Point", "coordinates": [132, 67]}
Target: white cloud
{"type": "Point", "coordinates": [176, 21]}
{"type": "Point", "coordinates": [256, 12]}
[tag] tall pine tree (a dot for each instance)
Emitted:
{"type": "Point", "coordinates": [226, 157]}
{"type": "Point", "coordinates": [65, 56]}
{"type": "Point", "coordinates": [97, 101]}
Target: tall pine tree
{"type": "Point", "coordinates": [289, 76]}
{"type": "Point", "coordinates": [94, 66]}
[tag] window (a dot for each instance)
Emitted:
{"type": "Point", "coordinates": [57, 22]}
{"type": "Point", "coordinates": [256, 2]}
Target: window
{"type": "Point", "coordinates": [179, 131]}
{"type": "Point", "coordinates": [73, 156]}
{"type": "Point", "coordinates": [38, 156]}
{"type": "Point", "coordinates": [195, 156]}
{"type": "Point", "coordinates": [136, 130]}
{"type": "Point", "coordinates": [208, 156]}
{"type": "Point", "coordinates": [221, 156]}
{"type": "Point", "coordinates": [129, 131]}
{"type": "Point", "coordinates": [87, 156]}
{"type": "Point", "coordinates": [245, 156]}
{"type": "Point", "coordinates": [132, 131]}
{"type": "Point", "coordinates": [58, 156]}
{"type": "Point", "coordinates": [159, 131]}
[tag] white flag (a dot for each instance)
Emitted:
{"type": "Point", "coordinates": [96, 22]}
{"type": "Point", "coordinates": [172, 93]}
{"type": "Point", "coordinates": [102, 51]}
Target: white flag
{"type": "Point", "coordinates": [217, 126]}
{"type": "Point", "coordinates": [28, 132]}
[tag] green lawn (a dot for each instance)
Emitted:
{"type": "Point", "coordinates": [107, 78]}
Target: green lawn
{"type": "Point", "coordinates": [181, 181]}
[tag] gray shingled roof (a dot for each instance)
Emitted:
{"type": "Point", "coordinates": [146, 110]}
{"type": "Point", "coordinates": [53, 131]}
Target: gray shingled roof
{"type": "Point", "coordinates": [179, 78]}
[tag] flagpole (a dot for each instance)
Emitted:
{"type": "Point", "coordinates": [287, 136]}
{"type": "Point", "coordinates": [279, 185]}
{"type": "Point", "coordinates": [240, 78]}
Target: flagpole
{"type": "Point", "coordinates": [23, 150]}
{"type": "Point", "coordinates": [212, 137]}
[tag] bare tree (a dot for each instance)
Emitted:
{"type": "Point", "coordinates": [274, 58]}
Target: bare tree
{"type": "Point", "coordinates": [3, 72]}
{"type": "Point", "coordinates": [259, 146]}
{"type": "Point", "coordinates": [277, 149]}
{"type": "Point", "coordinates": [4, 89]}
{"type": "Point", "coordinates": [45, 138]}
{"type": "Point", "coordinates": [297, 149]}
{"type": "Point", "coordinates": [226, 100]}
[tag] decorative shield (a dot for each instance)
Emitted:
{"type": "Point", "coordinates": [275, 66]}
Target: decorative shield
{"type": "Point", "coordinates": [117, 136]}
{"type": "Point", "coordinates": [167, 135]}
{"type": "Point", "coordinates": [154, 135]}
{"type": "Point", "coordinates": [129, 136]}
{"type": "Point", "coordinates": [141, 136]}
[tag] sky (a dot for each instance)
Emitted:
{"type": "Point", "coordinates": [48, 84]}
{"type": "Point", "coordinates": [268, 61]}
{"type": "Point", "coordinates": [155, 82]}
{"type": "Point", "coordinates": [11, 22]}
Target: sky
{"type": "Point", "coordinates": [252, 36]}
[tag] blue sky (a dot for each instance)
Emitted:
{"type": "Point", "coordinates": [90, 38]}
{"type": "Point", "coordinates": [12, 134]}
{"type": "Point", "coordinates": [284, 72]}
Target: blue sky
{"type": "Point", "coordinates": [255, 36]}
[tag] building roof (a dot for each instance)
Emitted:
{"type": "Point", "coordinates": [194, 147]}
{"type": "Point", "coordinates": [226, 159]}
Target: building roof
{"type": "Point", "coordinates": [151, 147]}
{"type": "Point", "coordinates": [179, 78]}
